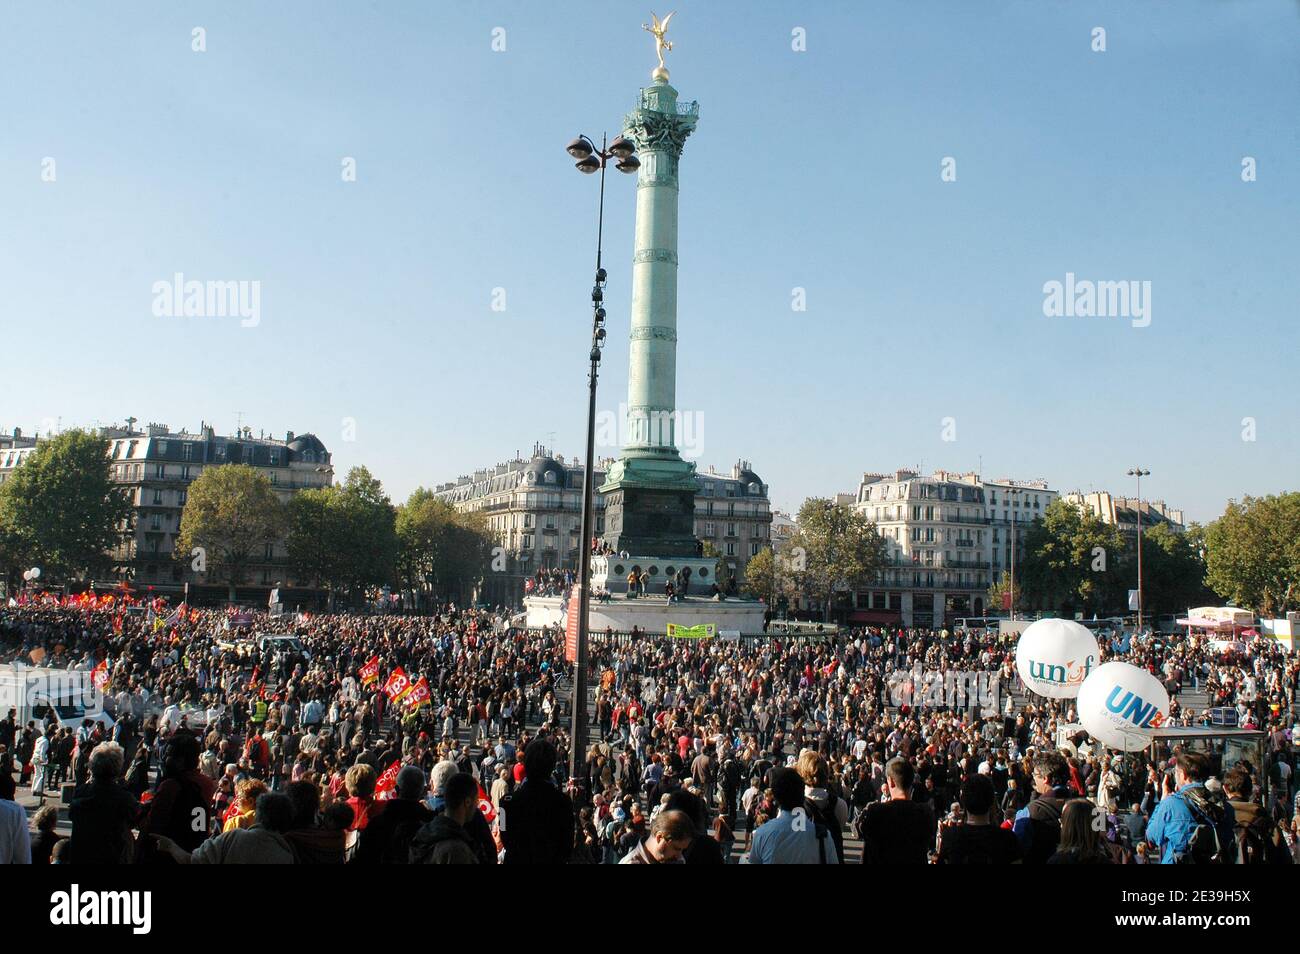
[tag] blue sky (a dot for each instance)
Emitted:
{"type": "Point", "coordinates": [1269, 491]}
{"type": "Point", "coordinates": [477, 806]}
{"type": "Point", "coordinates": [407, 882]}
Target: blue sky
{"type": "Point", "coordinates": [817, 169]}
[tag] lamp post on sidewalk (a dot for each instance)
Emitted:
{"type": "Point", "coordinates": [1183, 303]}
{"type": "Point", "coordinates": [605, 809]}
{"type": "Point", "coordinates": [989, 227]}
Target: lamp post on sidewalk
{"type": "Point", "coordinates": [590, 160]}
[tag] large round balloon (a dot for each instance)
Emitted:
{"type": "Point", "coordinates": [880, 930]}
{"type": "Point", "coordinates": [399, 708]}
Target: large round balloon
{"type": "Point", "coordinates": [1054, 657]}
{"type": "Point", "coordinates": [1121, 705]}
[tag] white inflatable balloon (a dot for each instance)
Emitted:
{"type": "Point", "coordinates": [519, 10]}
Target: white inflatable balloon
{"type": "Point", "coordinates": [1121, 705]}
{"type": "Point", "coordinates": [1054, 657]}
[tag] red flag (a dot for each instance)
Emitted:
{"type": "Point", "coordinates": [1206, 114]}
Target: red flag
{"type": "Point", "coordinates": [99, 675]}
{"type": "Point", "coordinates": [398, 685]}
{"type": "Point", "coordinates": [370, 671]}
{"type": "Point", "coordinates": [485, 805]}
{"type": "Point", "coordinates": [571, 626]}
{"type": "Point", "coordinates": [419, 694]}
{"type": "Point", "coordinates": [386, 785]}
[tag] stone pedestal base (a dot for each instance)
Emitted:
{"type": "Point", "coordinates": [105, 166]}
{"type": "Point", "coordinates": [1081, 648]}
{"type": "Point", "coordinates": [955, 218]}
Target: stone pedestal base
{"type": "Point", "coordinates": [652, 615]}
{"type": "Point", "coordinates": [610, 573]}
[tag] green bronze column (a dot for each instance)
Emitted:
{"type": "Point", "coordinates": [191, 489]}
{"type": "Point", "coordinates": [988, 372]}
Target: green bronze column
{"type": "Point", "coordinates": [650, 491]}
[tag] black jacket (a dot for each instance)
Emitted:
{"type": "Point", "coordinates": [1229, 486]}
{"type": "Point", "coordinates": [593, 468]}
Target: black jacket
{"type": "Point", "coordinates": [387, 838]}
{"type": "Point", "coordinates": [538, 825]}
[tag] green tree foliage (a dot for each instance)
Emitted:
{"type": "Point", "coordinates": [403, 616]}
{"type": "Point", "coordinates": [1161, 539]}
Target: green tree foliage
{"type": "Point", "coordinates": [344, 537]}
{"type": "Point", "coordinates": [1072, 562]}
{"type": "Point", "coordinates": [835, 547]}
{"type": "Point", "coordinates": [441, 553]}
{"type": "Point", "coordinates": [61, 510]}
{"type": "Point", "coordinates": [231, 514]}
{"type": "Point", "coordinates": [1253, 553]}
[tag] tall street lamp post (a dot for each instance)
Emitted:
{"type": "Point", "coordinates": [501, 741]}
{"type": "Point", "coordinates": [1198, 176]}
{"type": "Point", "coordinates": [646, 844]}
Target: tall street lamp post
{"type": "Point", "coordinates": [1139, 473]}
{"type": "Point", "coordinates": [1014, 494]}
{"type": "Point", "coordinates": [591, 159]}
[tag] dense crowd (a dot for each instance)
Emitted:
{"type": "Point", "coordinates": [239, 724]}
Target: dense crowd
{"type": "Point", "coordinates": [221, 743]}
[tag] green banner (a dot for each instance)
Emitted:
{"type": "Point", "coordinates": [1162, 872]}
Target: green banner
{"type": "Point", "coordinates": [702, 631]}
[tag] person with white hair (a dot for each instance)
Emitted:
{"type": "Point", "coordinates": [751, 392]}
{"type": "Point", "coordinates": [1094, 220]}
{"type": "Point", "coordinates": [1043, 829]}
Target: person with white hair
{"type": "Point", "coordinates": [103, 812]}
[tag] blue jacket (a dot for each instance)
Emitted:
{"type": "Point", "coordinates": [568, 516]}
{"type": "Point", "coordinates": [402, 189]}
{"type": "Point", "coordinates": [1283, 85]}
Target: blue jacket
{"type": "Point", "coordinates": [1173, 821]}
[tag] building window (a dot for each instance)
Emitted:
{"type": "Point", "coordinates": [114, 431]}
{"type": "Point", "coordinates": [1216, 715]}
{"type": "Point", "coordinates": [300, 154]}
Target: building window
{"type": "Point", "coordinates": [156, 522]}
{"type": "Point", "coordinates": [182, 497]}
{"type": "Point", "coordinates": [185, 471]}
{"type": "Point", "coordinates": [157, 498]}
{"type": "Point", "coordinates": [731, 549]}
{"type": "Point", "coordinates": [708, 528]}
{"type": "Point", "coordinates": [753, 549]}
{"type": "Point", "coordinates": [188, 452]}
{"type": "Point", "coordinates": [270, 551]}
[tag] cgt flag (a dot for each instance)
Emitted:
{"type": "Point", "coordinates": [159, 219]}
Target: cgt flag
{"type": "Point", "coordinates": [99, 675]}
{"type": "Point", "coordinates": [386, 784]}
{"type": "Point", "coordinates": [398, 685]}
{"type": "Point", "coordinates": [418, 695]}
{"type": "Point", "coordinates": [370, 671]}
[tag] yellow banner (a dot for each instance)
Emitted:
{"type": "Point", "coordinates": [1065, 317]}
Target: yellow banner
{"type": "Point", "coordinates": [702, 631]}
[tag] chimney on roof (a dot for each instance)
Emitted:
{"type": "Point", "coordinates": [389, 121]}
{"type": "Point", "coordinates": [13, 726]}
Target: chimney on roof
{"type": "Point", "coordinates": [288, 437]}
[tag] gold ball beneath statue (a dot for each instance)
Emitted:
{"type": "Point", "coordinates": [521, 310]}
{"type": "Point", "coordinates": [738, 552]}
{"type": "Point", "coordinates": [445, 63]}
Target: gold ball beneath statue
{"type": "Point", "coordinates": [659, 74]}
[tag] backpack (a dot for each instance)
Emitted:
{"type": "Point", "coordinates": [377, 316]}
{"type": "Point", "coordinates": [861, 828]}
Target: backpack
{"type": "Point", "coordinates": [1204, 847]}
{"type": "Point", "coordinates": [826, 825]}
{"type": "Point", "coordinates": [1255, 845]}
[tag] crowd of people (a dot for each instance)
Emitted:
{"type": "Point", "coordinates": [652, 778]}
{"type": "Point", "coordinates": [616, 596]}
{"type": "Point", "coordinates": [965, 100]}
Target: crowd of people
{"type": "Point", "coordinates": [783, 749]}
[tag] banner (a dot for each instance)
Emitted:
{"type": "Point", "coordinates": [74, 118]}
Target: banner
{"type": "Point", "coordinates": [397, 686]}
{"type": "Point", "coordinates": [99, 675]}
{"type": "Point", "coordinates": [702, 631]}
{"type": "Point", "coordinates": [1133, 600]}
{"type": "Point", "coordinates": [485, 805]}
{"type": "Point", "coordinates": [571, 626]}
{"type": "Point", "coordinates": [370, 671]}
{"type": "Point", "coordinates": [386, 784]}
{"type": "Point", "coordinates": [418, 694]}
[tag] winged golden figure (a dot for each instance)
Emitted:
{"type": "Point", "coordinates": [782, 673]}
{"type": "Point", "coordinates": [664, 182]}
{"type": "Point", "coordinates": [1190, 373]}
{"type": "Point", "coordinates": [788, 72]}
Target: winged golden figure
{"type": "Point", "coordinates": [657, 30]}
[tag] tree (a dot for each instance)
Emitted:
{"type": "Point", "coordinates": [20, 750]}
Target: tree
{"type": "Point", "coordinates": [440, 550]}
{"type": "Point", "coordinates": [999, 592]}
{"type": "Point", "coordinates": [369, 529]}
{"type": "Point", "coordinates": [61, 510]}
{"type": "Point", "coordinates": [837, 547]}
{"type": "Point", "coordinates": [1173, 571]}
{"type": "Point", "coordinates": [1072, 562]}
{"type": "Point", "coordinates": [343, 537]}
{"type": "Point", "coordinates": [231, 514]}
{"type": "Point", "coordinates": [760, 575]}
{"type": "Point", "coordinates": [722, 573]}
{"type": "Point", "coordinates": [1253, 553]}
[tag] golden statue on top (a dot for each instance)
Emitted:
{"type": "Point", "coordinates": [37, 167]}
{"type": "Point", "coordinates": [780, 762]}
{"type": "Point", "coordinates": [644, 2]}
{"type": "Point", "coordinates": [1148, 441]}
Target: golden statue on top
{"type": "Point", "coordinates": [662, 46]}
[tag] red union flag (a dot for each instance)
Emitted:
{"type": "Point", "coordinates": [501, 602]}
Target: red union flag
{"type": "Point", "coordinates": [386, 784]}
{"type": "Point", "coordinates": [370, 671]}
{"type": "Point", "coordinates": [398, 685]}
{"type": "Point", "coordinates": [485, 805]}
{"type": "Point", "coordinates": [99, 675]}
{"type": "Point", "coordinates": [571, 625]}
{"type": "Point", "coordinates": [418, 695]}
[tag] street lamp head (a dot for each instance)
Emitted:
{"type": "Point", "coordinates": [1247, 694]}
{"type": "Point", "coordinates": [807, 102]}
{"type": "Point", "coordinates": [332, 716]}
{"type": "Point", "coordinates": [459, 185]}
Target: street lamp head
{"type": "Point", "coordinates": [629, 165]}
{"type": "Point", "coordinates": [601, 274]}
{"type": "Point", "coordinates": [621, 148]}
{"type": "Point", "coordinates": [588, 166]}
{"type": "Point", "coordinates": [579, 148]}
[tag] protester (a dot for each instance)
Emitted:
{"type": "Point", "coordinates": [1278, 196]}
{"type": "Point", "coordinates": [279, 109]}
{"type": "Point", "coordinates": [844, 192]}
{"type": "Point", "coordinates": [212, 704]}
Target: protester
{"type": "Point", "coordinates": [977, 840]}
{"type": "Point", "coordinates": [897, 831]}
{"type": "Point", "coordinates": [262, 844]}
{"type": "Point", "coordinates": [1192, 824]}
{"type": "Point", "coordinates": [445, 839]}
{"type": "Point", "coordinates": [791, 838]}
